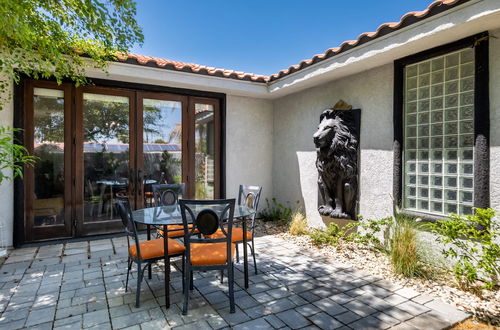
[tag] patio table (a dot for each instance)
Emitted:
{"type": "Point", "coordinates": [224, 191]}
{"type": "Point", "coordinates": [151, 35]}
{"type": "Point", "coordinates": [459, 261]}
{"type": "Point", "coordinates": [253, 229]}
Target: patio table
{"type": "Point", "coordinates": [171, 215]}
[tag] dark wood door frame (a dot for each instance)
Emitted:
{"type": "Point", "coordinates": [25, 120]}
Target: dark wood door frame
{"type": "Point", "coordinates": [74, 185]}
{"type": "Point", "coordinates": [99, 227]}
{"type": "Point", "coordinates": [140, 96]}
{"type": "Point", "coordinates": [33, 233]}
{"type": "Point", "coordinates": [191, 144]}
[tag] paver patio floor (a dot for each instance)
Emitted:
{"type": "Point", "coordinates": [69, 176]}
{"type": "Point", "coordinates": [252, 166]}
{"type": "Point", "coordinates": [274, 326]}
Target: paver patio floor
{"type": "Point", "coordinates": [82, 285]}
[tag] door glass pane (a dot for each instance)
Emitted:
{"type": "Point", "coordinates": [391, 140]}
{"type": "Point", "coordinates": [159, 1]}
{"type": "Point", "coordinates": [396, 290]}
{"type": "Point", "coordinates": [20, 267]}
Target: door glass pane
{"type": "Point", "coordinates": [204, 151]}
{"type": "Point", "coordinates": [48, 202]}
{"type": "Point", "coordinates": [105, 154]}
{"type": "Point", "coordinates": [162, 144]}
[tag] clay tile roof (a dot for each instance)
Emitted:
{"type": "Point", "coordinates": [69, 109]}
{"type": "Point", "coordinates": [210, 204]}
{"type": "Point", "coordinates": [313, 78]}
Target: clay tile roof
{"type": "Point", "coordinates": [407, 19]}
{"type": "Point", "coordinates": [189, 67]}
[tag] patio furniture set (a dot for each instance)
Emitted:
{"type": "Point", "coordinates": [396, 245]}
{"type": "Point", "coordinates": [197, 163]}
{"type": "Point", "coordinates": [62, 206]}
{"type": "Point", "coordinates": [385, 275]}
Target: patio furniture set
{"type": "Point", "coordinates": [201, 232]}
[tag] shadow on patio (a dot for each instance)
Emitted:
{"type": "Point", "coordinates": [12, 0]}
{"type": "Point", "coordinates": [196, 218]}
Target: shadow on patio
{"type": "Point", "coordinates": [82, 285]}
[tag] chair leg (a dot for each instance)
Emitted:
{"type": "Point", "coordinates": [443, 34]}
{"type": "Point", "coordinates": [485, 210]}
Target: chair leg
{"type": "Point", "coordinates": [191, 286]}
{"type": "Point", "coordinates": [230, 276]}
{"type": "Point", "coordinates": [183, 271]}
{"type": "Point", "coordinates": [186, 289]}
{"type": "Point", "coordinates": [237, 253]}
{"type": "Point", "coordinates": [252, 248]}
{"type": "Point", "coordinates": [129, 266]}
{"type": "Point", "coordinates": [138, 289]}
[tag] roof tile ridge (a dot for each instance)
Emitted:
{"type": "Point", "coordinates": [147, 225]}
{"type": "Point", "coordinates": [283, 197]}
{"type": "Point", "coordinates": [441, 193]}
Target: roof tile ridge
{"type": "Point", "coordinates": [191, 67]}
{"type": "Point", "coordinates": [361, 38]}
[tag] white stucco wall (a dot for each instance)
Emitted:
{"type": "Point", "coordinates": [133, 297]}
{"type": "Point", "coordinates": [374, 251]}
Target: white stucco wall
{"type": "Point", "coordinates": [249, 144]}
{"type": "Point", "coordinates": [7, 187]}
{"type": "Point", "coordinates": [495, 120]}
{"type": "Point", "coordinates": [296, 118]}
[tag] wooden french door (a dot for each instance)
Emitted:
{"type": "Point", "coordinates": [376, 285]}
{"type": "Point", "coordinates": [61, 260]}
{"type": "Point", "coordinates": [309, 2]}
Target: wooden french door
{"type": "Point", "coordinates": [178, 140]}
{"type": "Point", "coordinates": [104, 157]}
{"type": "Point", "coordinates": [48, 184]}
{"type": "Point", "coordinates": [204, 148]}
{"type": "Point", "coordinates": [162, 142]}
{"type": "Point", "coordinates": [95, 142]}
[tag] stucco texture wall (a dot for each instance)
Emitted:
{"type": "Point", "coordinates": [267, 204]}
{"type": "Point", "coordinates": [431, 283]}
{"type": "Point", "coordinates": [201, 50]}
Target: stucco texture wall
{"type": "Point", "coordinates": [7, 187]}
{"type": "Point", "coordinates": [495, 120]}
{"type": "Point", "coordinates": [296, 118]}
{"type": "Point", "coordinates": [249, 144]}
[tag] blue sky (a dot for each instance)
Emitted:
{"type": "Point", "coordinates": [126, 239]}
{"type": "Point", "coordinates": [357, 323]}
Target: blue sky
{"type": "Point", "coordinates": [259, 36]}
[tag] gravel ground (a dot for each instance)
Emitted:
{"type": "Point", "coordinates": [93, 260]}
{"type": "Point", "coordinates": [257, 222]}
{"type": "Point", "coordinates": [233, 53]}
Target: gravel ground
{"type": "Point", "coordinates": [485, 305]}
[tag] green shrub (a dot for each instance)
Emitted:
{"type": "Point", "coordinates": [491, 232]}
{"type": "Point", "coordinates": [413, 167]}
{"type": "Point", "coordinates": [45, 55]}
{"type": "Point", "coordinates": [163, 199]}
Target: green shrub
{"type": "Point", "coordinates": [298, 224]}
{"type": "Point", "coordinates": [13, 156]}
{"type": "Point", "coordinates": [276, 211]}
{"type": "Point", "coordinates": [328, 236]}
{"type": "Point", "coordinates": [470, 240]}
{"type": "Point", "coordinates": [368, 232]}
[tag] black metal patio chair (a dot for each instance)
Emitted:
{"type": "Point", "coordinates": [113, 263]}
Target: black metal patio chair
{"type": "Point", "coordinates": [205, 253]}
{"type": "Point", "coordinates": [146, 252]}
{"type": "Point", "coordinates": [248, 196]}
{"type": "Point", "coordinates": [166, 195]}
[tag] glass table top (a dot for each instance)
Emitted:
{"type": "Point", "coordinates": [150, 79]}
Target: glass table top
{"type": "Point", "coordinates": [171, 215]}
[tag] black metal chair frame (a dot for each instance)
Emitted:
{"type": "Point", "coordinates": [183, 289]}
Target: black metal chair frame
{"type": "Point", "coordinates": [123, 205]}
{"type": "Point", "coordinates": [160, 191]}
{"type": "Point", "coordinates": [200, 223]}
{"type": "Point", "coordinates": [243, 195]}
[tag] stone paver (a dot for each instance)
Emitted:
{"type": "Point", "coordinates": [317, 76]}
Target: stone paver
{"type": "Point", "coordinates": [81, 285]}
{"type": "Point", "coordinates": [293, 319]}
{"type": "Point", "coordinates": [325, 321]}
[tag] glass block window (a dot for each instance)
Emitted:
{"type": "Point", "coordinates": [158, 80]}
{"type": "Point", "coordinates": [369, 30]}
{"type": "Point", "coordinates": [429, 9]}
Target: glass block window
{"type": "Point", "coordinates": [439, 134]}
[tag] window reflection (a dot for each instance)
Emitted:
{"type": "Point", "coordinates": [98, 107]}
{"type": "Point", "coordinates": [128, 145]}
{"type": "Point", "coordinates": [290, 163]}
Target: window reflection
{"type": "Point", "coordinates": [162, 148]}
{"type": "Point", "coordinates": [48, 203]}
{"type": "Point", "coordinates": [204, 151]}
{"type": "Point", "coordinates": [105, 154]}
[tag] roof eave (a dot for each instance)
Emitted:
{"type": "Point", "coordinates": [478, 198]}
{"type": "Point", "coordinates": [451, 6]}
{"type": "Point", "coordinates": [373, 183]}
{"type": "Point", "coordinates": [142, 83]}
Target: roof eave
{"type": "Point", "coordinates": [470, 18]}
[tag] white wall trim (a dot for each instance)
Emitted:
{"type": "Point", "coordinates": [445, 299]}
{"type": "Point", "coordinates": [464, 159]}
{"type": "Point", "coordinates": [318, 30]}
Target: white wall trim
{"type": "Point", "coordinates": [161, 77]}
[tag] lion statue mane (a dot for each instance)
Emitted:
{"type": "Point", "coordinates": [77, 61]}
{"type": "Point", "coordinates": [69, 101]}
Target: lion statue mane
{"type": "Point", "coordinates": [337, 163]}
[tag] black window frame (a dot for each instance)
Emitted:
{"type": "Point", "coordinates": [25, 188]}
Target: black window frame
{"type": "Point", "coordinates": [481, 120]}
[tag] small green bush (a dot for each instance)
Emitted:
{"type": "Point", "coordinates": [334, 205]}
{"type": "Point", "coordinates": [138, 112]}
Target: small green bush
{"type": "Point", "coordinates": [276, 211]}
{"type": "Point", "coordinates": [13, 155]}
{"type": "Point", "coordinates": [328, 236]}
{"type": "Point", "coordinates": [368, 232]}
{"type": "Point", "coordinates": [470, 240]}
{"type": "Point", "coordinates": [298, 225]}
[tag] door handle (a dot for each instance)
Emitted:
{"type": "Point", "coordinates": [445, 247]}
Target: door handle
{"type": "Point", "coordinates": [131, 181]}
{"type": "Point", "coordinates": [139, 182]}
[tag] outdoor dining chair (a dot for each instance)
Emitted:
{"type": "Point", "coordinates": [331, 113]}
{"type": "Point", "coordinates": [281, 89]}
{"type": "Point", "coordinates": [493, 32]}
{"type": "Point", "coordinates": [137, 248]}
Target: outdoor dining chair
{"type": "Point", "coordinates": [247, 196]}
{"type": "Point", "coordinates": [143, 253]}
{"type": "Point", "coordinates": [165, 195]}
{"type": "Point", "coordinates": [205, 253]}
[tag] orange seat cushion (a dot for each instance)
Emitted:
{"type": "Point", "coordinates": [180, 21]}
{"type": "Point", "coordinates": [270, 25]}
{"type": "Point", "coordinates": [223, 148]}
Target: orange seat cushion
{"type": "Point", "coordinates": [175, 230]}
{"type": "Point", "coordinates": [236, 237]}
{"type": "Point", "coordinates": [208, 254]}
{"type": "Point", "coordinates": [154, 248]}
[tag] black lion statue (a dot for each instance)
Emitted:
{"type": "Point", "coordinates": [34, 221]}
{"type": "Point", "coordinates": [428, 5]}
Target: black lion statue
{"type": "Point", "coordinates": [337, 163]}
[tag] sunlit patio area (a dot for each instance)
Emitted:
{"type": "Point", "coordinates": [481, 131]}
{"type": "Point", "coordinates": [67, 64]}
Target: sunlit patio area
{"type": "Point", "coordinates": [82, 285]}
{"type": "Point", "coordinates": [356, 189]}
